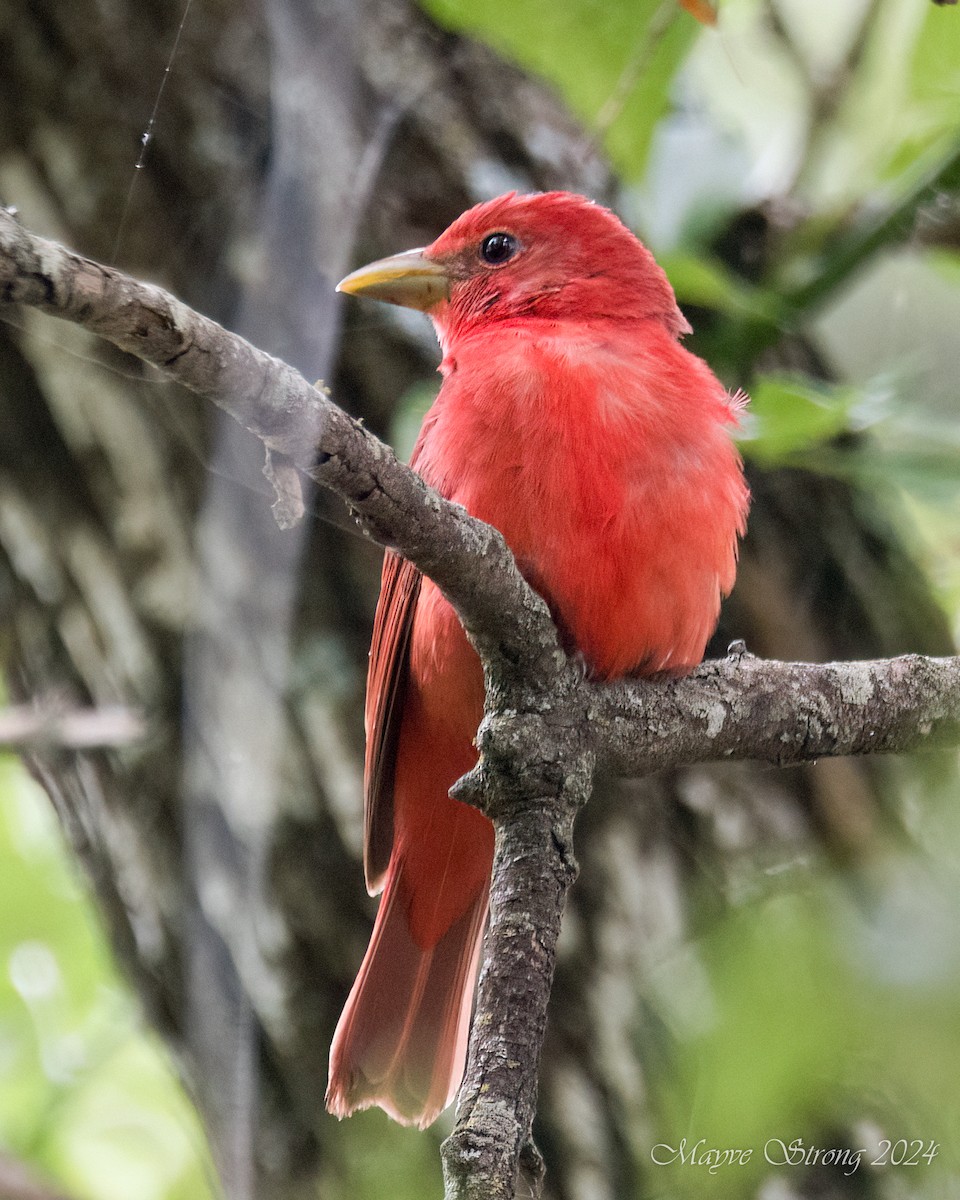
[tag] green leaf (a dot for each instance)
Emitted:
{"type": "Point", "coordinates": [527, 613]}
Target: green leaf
{"type": "Point", "coordinates": [935, 72]}
{"type": "Point", "coordinates": [946, 263]}
{"type": "Point", "coordinates": [611, 62]}
{"type": "Point", "coordinates": [787, 416]}
{"type": "Point", "coordinates": [707, 283]}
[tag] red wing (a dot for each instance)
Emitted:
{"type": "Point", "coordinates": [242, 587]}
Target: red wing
{"type": "Point", "coordinates": [386, 685]}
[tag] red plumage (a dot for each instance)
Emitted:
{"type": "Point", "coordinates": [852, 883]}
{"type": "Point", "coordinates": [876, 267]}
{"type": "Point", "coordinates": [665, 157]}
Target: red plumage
{"type": "Point", "coordinates": [571, 418]}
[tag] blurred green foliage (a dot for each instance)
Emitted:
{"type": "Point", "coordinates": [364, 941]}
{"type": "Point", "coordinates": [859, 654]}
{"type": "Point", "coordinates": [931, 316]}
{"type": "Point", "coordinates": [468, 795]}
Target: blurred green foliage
{"type": "Point", "coordinates": [612, 62]}
{"type": "Point", "coordinates": [86, 1096]}
{"type": "Point", "coordinates": [386, 1159]}
{"type": "Point", "coordinates": [789, 416]}
{"type": "Point", "coordinates": [831, 1023]}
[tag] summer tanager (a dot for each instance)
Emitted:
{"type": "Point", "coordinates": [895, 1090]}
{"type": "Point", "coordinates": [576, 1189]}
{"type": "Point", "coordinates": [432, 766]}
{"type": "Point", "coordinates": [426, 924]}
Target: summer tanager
{"type": "Point", "coordinates": [571, 418]}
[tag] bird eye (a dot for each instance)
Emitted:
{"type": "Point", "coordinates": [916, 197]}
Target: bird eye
{"type": "Point", "coordinates": [497, 248]}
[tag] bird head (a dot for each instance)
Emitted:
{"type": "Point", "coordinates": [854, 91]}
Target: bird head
{"type": "Point", "coordinates": [553, 256]}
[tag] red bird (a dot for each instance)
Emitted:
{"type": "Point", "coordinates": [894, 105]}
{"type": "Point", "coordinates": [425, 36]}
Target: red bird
{"type": "Point", "coordinates": [571, 418]}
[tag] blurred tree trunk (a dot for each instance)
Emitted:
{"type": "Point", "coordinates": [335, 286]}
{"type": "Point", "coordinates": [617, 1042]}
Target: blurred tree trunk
{"type": "Point", "coordinates": [139, 562]}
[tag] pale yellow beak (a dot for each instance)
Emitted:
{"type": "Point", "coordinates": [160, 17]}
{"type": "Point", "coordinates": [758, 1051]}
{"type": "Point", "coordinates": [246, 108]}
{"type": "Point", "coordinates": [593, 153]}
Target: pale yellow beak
{"type": "Point", "coordinates": [408, 279]}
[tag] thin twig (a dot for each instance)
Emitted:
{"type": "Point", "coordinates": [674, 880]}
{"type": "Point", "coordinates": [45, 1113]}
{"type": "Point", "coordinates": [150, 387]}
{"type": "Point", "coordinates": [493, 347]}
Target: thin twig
{"type": "Point", "coordinates": [26, 727]}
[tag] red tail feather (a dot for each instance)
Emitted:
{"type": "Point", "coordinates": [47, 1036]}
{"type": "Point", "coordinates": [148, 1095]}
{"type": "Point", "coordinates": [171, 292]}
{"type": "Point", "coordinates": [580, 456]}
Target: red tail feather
{"type": "Point", "coordinates": [402, 1039]}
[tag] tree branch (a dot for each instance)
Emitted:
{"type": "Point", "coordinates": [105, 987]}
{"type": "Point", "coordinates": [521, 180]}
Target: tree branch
{"type": "Point", "coordinates": [546, 727]}
{"type": "Point", "coordinates": [24, 727]}
{"type": "Point", "coordinates": [300, 424]}
{"type": "Point", "coordinates": [745, 707]}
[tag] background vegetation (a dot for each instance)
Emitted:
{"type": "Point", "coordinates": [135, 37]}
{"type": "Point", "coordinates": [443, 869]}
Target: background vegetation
{"type": "Point", "coordinates": [795, 170]}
